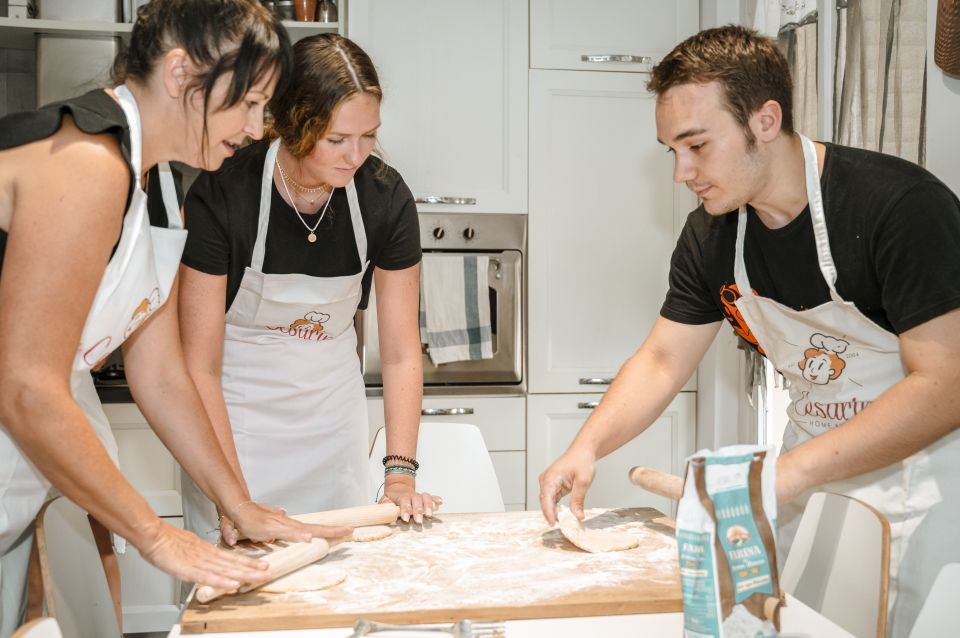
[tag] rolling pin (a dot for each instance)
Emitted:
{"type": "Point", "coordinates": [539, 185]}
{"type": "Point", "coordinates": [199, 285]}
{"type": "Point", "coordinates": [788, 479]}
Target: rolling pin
{"type": "Point", "coordinates": [660, 483]}
{"type": "Point", "coordinates": [296, 555]}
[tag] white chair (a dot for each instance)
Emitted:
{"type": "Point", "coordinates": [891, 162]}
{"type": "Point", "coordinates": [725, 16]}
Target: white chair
{"type": "Point", "coordinates": [938, 616]}
{"type": "Point", "coordinates": [75, 588]}
{"type": "Point", "coordinates": [39, 628]}
{"type": "Point", "coordinates": [839, 563]}
{"type": "Point", "coordinates": [454, 464]}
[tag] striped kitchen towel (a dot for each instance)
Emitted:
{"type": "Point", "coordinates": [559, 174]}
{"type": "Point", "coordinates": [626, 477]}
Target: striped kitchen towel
{"type": "Point", "coordinates": [455, 307]}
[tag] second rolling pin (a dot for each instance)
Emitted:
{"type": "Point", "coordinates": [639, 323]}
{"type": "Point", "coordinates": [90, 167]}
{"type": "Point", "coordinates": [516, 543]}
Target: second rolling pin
{"type": "Point", "coordinates": [657, 482]}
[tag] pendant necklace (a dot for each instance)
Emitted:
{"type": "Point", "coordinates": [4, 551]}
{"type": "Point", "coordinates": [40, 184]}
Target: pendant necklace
{"type": "Point", "coordinates": [312, 237]}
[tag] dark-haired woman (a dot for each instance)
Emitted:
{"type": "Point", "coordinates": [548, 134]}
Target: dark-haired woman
{"type": "Point", "coordinates": [83, 270]}
{"type": "Point", "coordinates": [286, 239]}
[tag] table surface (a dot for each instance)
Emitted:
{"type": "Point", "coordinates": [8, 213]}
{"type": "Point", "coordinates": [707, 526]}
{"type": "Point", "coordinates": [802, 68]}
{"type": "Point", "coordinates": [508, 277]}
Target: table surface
{"type": "Point", "coordinates": [797, 620]}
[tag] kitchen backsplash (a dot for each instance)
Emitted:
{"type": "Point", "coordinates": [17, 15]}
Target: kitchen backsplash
{"type": "Point", "coordinates": [18, 80]}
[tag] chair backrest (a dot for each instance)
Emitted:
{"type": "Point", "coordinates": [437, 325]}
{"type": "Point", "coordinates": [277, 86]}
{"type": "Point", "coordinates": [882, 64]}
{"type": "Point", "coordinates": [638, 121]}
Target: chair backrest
{"type": "Point", "coordinates": [454, 464]}
{"type": "Point", "coordinates": [938, 616]}
{"type": "Point", "coordinates": [839, 563]}
{"type": "Point", "coordinates": [39, 628]}
{"type": "Point", "coordinates": [75, 588]}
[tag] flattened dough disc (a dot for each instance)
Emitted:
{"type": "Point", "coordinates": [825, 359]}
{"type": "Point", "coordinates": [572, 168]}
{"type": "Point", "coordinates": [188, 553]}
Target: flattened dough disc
{"type": "Point", "coordinates": [310, 578]}
{"type": "Point", "coordinates": [371, 533]}
{"type": "Point", "coordinates": [593, 540]}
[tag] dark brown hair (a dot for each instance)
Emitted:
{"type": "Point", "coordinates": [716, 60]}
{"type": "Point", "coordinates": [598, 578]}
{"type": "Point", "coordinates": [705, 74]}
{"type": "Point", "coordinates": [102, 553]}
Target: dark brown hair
{"type": "Point", "coordinates": [749, 68]}
{"type": "Point", "coordinates": [327, 70]}
{"type": "Point", "coordinates": [237, 37]}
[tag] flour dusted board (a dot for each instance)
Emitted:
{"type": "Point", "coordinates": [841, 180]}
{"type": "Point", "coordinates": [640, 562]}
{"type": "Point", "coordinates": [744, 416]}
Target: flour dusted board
{"type": "Point", "coordinates": [476, 566]}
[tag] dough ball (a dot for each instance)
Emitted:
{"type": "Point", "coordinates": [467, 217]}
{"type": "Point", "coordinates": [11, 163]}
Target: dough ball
{"type": "Point", "coordinates": [310, 578]}
{"type": "Point", "coordinates": [371, 533]}
{"type": "Point", "coordinates": [593, 540]}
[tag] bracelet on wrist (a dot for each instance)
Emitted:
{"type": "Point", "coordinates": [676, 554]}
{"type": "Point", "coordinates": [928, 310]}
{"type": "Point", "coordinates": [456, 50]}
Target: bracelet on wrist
{"type": "Point", "coordinates": [399, 469]}
{"type": "Point", "coordinates": [403, 459]}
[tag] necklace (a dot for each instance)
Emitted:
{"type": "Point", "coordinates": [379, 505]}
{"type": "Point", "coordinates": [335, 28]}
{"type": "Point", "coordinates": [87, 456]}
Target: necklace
{"type": "Point", "coordinates": [312, 237]}
{"type": "Point", "coordinates": [322, 188]}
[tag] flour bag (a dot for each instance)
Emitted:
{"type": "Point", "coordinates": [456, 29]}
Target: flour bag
{"type": "Point", "coordinates": [726, 523]}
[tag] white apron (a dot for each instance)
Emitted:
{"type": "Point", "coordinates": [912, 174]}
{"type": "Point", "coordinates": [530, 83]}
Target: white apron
{"type": "Point", "coordinates": [135, 283]}
{"type": "Point", "coordinates": [838, 361]}
{"type": "Point", "coordinates": [292, 384]}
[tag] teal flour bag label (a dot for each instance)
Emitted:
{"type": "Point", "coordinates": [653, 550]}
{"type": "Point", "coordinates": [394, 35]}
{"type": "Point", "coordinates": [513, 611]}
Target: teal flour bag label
{"type": "Point", "coordinates": [726, 523]}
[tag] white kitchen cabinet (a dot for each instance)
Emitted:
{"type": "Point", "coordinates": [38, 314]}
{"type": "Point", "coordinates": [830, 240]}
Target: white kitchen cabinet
{"type": "Point", "coordinates": [454, 78]}
{"type": "Point", "coordinates": [554, 420]}
{"type": "Point", "coordinates": [501, 422]}
{"type": "Point", "coordinates": [604, 217]}
{"type": "Point", "coordinates": [151, 598]}
{"type": "Point", "coordinates": [607, 35]}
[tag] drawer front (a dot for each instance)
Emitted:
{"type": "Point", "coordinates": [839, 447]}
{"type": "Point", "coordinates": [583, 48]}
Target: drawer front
{"type": "Point", "coordinates": [511, 473]}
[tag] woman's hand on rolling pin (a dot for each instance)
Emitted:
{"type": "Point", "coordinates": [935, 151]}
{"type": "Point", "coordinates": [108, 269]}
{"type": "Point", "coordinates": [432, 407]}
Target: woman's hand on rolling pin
{"type": "Point", "coordinates": [571, 474]}
{"type": "Point", "coordinates": [265, 523]}
{"type": "Point", "coordinates": [401, 491]}
{"type": "Point", "coordinates": [185, 556]}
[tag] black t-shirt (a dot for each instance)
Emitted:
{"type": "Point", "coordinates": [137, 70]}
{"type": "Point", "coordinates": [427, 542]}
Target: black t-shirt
{"type": "Point", "coordinates": [222, 210]}
{"type": "Point", "coordinates": [94, 113]}
{"type": "Point", "coordinates": [894, 234]}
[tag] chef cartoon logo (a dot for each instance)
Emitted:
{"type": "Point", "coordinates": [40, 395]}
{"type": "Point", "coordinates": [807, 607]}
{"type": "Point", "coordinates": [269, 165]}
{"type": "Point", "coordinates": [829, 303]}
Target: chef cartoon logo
{"type": "Point", "coordinates": [822, 363]}
{"type": "Point", "coordinates": [729, 293]}
{"type": "Point", "coordinates": [309, 328]}
{"type": "Point", "coordinates": [143, 310]}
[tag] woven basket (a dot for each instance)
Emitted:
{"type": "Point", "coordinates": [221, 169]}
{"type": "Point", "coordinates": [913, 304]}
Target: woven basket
{"type": "Point", "coordinates": [946, 49]}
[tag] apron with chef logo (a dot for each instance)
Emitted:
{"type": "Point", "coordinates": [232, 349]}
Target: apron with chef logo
{"type": "Point", "coordinates": [837, 362]}
{"type": "Point", "coordinates": [136, 281]}
{"type": "Point", "coordinates": [292, 383]}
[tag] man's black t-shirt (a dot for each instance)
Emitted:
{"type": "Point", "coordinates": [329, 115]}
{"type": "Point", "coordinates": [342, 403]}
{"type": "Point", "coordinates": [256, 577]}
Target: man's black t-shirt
{"type": "Point", "coordinates": [894, 234]}
{"type": "Point", "coordinates": [222, 211]}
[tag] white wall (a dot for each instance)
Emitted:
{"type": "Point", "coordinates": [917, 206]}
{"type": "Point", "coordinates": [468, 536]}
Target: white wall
{"type": "Point", "coordinates": [943, 114]}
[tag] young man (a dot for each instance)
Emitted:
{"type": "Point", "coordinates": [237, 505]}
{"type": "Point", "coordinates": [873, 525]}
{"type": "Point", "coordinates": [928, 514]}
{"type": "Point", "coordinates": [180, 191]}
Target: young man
{"type": "Point", "coordinates": [842, 267]}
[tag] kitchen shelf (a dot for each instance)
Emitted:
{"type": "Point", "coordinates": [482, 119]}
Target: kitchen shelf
{"type": "Point", "coordinates": [18, 33]}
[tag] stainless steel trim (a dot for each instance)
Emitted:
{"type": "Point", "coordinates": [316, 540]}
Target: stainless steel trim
{"type": "Point", "coordinates": [588, 405]}
{"type": "Point", "coordinates": [596, 381]}
{"type": "Point", "coordinates": [436, 199]}
{"type": "Point", "coordinates": [445, 411]}
{"type": "Point", "coordinates": [616, 57]}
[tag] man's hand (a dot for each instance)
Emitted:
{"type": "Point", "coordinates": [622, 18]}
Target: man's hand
{"type": "Point", "coordinates": [570, 474]}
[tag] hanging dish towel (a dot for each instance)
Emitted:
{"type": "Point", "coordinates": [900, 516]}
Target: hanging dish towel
{"type": "Point", "coordinates": [455, 308]}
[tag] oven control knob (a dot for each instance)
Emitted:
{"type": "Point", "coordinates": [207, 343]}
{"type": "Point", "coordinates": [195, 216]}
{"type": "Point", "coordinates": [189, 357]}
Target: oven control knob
{"type": "Point", "coordinates": [469, 233]}
{"type": "Point", "coordinates": [438, 232]}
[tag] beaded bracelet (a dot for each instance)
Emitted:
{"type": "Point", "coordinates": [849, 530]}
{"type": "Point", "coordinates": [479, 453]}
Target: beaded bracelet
{"type": "Point", "coordinates": [402, 459]}
{"type": "Point", "coordinates": [399, 469]}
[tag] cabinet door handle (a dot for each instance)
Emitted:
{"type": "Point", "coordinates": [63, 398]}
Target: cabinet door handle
{"type": "Point", "coordinates": [459, 201]}
{"type": "Point", "coordinates": [616, 57]}
{"type": "Point", "coordinates": [596, 381]}
{"type": "Point", "coordinates": [445, 411]}
{"type": "Point", "coordinates": [588, 405]}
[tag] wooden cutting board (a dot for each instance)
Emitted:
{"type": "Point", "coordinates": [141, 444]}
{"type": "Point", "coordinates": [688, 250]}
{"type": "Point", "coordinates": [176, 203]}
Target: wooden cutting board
{"type": "Point", "coordinates": [471, 566]}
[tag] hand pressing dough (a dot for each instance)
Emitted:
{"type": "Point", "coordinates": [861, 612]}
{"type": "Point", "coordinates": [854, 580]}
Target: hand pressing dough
{"type": "Point", "coordinates": [593, 540]}
{"type": "Point", "coordinates": [371, 533]}
{"type": "Point", "coordinates": [310, 578]}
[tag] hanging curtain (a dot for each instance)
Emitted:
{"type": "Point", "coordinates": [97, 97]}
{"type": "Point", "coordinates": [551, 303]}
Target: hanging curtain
{"type": "Point", "coordinates": [880, 79]}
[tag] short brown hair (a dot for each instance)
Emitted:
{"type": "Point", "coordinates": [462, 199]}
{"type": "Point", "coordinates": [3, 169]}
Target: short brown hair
{"type": "Point", "coordinates": [327, 70]}
{"type": "Point", "coordinates": [750, 69]}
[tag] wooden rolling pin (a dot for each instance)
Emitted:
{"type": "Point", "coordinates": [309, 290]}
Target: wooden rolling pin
{"type": "Point", "coordinates": [297, 555]}
{"type": "Point", "coordinates": [660, 483]}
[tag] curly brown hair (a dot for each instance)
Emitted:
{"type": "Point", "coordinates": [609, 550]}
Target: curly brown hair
{"type": "Point", "coordinates": [327, 70]}
{"type": "Point", "coordinates": [750, 69]}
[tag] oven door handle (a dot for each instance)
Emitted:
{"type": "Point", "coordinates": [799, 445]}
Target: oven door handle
{"type": "Point", "coordinates": [445, 411]}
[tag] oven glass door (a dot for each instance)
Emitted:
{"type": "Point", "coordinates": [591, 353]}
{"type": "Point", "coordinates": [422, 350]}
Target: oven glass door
{"type": "Point", "coordinates": [505, 280]}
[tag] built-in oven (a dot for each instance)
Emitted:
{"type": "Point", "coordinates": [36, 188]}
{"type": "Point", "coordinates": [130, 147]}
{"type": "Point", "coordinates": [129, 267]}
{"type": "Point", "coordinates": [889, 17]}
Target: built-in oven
{"type": "Point", "coordinates": [502, 238]}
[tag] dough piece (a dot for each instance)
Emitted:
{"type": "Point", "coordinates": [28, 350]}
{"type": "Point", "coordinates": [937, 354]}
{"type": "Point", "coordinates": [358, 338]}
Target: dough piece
{"type": "Point", "coordinates": [310, 578]}
{"type": "Point", "coordinates": [593, 540]}
{"type": "Point", "coordinates": [371, 533]}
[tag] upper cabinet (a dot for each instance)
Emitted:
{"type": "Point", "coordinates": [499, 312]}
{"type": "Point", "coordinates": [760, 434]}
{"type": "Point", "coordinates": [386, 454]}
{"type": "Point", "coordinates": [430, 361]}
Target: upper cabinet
{"type": "Point", "coordinates": [607, 35]}
{"type": "Point", "coordinates": [454, 114]}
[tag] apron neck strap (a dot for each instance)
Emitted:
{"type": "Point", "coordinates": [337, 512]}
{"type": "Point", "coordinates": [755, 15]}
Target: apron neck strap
{"type": "Point", "coordinates": [129, 105]}
{"type": "Point", "coordinates": [169, 192]}
{"type": "Point", "coordinates": [817, 216]}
